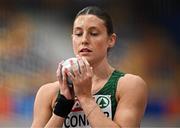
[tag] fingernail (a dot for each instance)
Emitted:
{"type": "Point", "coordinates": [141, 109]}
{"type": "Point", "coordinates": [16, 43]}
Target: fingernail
{"type": "Point", "coordinates": [66, 70]}
{"type": "Point", "coordinates": [71, 62]}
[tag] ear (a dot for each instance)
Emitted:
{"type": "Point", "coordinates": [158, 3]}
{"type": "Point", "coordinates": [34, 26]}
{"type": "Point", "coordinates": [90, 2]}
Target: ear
{"type": "Point", "coordinates": [112, 40]}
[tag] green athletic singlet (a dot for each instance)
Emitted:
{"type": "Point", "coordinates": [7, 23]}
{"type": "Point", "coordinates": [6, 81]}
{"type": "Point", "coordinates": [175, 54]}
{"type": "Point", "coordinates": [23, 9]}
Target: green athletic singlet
{"type": "Point", "coordinates": [105, 98]}
{"type": "Point", "coordinates": [110, 89]}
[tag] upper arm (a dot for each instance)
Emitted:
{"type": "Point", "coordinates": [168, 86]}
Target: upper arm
{"type": "Point", "coordinates": [42, 106]}
{"type": "Point", "coordinates": [132, 101]}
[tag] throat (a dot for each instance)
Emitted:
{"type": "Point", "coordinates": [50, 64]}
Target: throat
{"type": "Point", "coordinates": [98, 83]}
{"type": "Point", "coordinates": [97, 86]}
{"type": "Point", "coordinates": [100, 78]}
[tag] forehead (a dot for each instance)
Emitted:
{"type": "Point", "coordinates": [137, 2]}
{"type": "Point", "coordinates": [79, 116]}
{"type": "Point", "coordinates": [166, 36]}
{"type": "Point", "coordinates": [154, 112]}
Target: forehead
{"type": "Point", "coordinates": [88, 21]}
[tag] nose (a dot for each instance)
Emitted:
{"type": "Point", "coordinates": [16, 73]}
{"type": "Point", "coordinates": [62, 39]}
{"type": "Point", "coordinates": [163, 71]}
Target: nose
{"type": "Point", "coordinates": [85, 39]}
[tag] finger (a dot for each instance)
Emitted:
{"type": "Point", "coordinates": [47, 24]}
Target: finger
{"type": "Point", "coordinates": [88, 67]}
{"type": "Point", "coordinates": [81, 64]}
{"type": "Point", "coordinates": [85, 61]}
{"type": "Point", "coordinates": [91, 70]}
{"type": "Point", "coordinates": [64, 79]}
{"type": "Point", "coordinates": [65, 76]}
{"type": "Point", "coordinates": [70, 75]}
{"type": "Point", "coordinates": [75, 68]}
{"type": "Point", "coordinates": [58, 72]}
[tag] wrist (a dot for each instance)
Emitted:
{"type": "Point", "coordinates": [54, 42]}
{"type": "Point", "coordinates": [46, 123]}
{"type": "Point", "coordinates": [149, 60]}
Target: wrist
{"type": "Point", "coordinates": [88, 105]}
{"type": "Point", "coordinates": [63, 106]}
{"type": "Point", "coordinates": [85, 100]}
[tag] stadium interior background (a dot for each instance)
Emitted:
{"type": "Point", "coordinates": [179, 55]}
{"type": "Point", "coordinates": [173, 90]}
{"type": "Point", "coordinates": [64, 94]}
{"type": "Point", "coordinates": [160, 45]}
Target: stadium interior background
{"type": "Point", "coordinates": [35, 35]}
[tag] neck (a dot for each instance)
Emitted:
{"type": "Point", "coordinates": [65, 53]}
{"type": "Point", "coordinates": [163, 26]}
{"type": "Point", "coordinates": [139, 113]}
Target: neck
{"type": "Point", "coordinates": [102, 70]}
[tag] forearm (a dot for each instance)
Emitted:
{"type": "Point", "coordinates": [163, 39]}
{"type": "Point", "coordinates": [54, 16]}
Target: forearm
{"type": "Point", "coordinates": [61, 110]}
{"type": "Point", "coordinates": [94, 114]}
{"type": "Point", "coordinates": [55, 121]}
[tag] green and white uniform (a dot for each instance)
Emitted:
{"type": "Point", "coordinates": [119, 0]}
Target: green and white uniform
{"type": "Point", "coordinates": [105, 98]}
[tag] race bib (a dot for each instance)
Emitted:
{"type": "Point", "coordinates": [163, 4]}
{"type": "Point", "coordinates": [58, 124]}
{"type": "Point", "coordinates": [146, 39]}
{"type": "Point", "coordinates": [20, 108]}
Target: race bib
{"type": "Point", "coordinates": [77, 118]}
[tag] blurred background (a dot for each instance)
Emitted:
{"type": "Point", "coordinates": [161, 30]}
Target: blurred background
{"type": "Point", "coordinates": [35, 35]}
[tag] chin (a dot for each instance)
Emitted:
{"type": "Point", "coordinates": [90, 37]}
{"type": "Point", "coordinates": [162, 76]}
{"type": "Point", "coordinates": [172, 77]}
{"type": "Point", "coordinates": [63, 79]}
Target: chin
{"type": "Point", "coordinates": [88, 58]}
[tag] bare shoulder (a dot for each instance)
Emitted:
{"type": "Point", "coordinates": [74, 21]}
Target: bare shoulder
{"type": "Point", "coordinates": [49, 87]}
{"type": "Point", "coordinates": [48, 92]}
{"type": "Point", "coordinates": [132, 83]}
{"type": "Point", "coordinates": [132, 99]}
{"type": "Point", "coordinates": [43, 104]}
{"type": "Point", "coordinates": [131, 78]}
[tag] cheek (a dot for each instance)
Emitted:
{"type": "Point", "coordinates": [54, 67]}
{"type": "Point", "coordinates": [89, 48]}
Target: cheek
{"type": "Point", "coordinates": [75, 46]}
{"type": "Point", "coordinates": [102, 45]}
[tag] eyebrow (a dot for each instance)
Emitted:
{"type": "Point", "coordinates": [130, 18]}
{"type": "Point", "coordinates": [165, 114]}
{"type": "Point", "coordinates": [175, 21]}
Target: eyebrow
{"type": "Point", "coordinates": [75, 28]}
{"type": "Point", "coordinates": [93, 27]}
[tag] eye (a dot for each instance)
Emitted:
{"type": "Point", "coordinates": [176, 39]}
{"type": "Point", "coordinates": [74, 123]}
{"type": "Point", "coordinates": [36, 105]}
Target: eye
{"type": "Point", "coordinates": [94, 33]}
{"type": "Point", "coordinates": [78, 33]}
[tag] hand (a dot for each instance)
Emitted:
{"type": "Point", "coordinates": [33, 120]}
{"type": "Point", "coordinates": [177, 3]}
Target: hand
{"type": "Point", "coordinates": [62, 78]}
{"type": "Point", "coordinates": [82, 79]}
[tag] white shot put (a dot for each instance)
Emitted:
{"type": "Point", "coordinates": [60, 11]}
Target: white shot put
{"type": "Point", "coordinates": [67, 64]}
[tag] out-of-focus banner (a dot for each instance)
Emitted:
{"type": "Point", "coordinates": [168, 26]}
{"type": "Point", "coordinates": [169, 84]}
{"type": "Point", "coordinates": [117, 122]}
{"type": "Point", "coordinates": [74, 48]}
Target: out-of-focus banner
{"type": "Point", "coordinates": [36, 35]}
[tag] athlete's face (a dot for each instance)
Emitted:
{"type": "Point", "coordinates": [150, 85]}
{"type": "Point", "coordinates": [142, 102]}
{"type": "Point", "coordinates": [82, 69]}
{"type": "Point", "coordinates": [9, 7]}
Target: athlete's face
{"type": "Point", "coordinates": [90, 38]}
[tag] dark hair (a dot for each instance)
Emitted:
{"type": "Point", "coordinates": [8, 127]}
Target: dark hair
{"type": "Point", "coordinates": [93, 10]}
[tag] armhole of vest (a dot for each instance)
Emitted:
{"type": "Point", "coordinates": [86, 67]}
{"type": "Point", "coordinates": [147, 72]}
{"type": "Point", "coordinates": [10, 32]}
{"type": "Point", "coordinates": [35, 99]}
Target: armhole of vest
{"type": "Point", "coordinates": [115, 86]}
{"type": "Point", "coordinates": [117, 79]}
{"type": "Point", "coordinates": [57, 96]}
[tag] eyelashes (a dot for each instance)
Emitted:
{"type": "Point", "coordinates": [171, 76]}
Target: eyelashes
{"type": "Point", "coordinates": [91, 34]}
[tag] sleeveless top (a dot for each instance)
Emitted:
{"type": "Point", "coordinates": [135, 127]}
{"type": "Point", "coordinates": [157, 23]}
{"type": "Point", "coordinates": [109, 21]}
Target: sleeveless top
{"type": "Point", "coordinates": [105, 98]}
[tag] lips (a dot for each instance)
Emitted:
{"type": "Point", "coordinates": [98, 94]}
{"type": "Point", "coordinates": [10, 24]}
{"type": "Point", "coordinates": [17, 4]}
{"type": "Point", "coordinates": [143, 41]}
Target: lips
{"type": "Point", "coordinates": [85, 50]}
